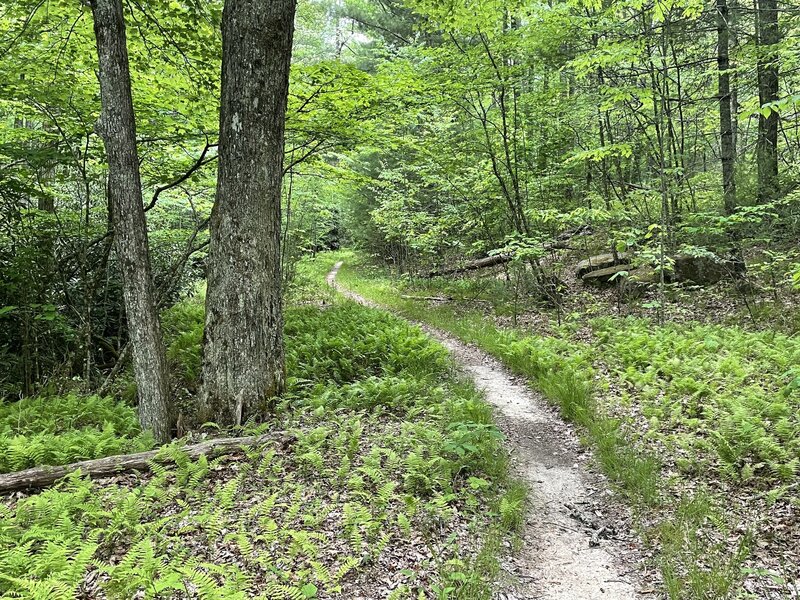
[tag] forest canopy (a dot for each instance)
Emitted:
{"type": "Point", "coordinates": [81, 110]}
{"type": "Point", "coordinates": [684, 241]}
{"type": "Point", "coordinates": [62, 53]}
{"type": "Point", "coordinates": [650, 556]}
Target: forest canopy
{"type": "Point", "coordinates": [425, 132]}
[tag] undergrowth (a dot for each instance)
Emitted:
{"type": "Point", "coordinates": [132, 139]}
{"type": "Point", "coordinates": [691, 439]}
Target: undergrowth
{"type": "Point", "coordinates": [715, 401]}
{"type": "Point", "coordinates": [716, 392]}
{"type": "Point", "coordinates": [63, 429]}
{"type": "Point", "coordinates": [395, 470]}
{"type": "Point", "coordinates": [560, 367]}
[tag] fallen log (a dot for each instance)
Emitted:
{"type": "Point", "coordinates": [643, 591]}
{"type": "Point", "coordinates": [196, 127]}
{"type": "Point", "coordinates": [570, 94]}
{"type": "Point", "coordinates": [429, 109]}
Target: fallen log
{"type": "Point", "coordinates": [429, 298]}
{"type": "Point", "coordinates": [585, 229]}
{"type": "Point", "coordinates": [39, 477]}
{"type": "Point", "coordinates": [481, 263]}
{"type": "Point", "coordinates": [445, 299]}
{"type": "Point", "coordinates": [561, 242]}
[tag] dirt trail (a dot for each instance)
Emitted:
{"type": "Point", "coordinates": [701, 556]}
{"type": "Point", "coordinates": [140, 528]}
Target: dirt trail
{"type": "Point", "coordinates": [567, 553]}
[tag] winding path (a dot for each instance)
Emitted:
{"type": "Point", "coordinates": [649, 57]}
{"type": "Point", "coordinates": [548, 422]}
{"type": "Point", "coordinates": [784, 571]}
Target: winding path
{"type": "Point", "coordinates": [568, 552]}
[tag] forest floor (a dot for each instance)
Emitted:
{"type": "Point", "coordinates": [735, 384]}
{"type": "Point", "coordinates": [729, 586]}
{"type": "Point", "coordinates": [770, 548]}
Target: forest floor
{"type": "Point", "coordinates": [392, 483]}
{"type": "Point", "coordinates": [696, 424]}
{"type": "Point", "coordinates": [662, 460]}
{"type": "Point", "coordinates": [577, 541]}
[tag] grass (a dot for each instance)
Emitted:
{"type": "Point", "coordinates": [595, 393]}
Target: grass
{"type": "Point", "coordinates": [397, 470]}
{"type": "Point", "coordinates": [692, 565]}
{"type": "Point", "coordinates": [677, 409]}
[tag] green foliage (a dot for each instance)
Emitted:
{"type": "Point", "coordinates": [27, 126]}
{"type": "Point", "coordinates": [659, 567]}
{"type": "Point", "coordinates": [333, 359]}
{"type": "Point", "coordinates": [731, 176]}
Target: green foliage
{"type": "Point", "coordinates": [349, 343]}
{"type": "Point", "coordinates": [344, 345]}
{"type": "Point", "coordinates": [695, 567]}
{"type": "Point", "coordinates": [63, 429]}
{"type": "Point", "coordinates": [710, 399]}
{"type": "Point", "coordinates": [183, 334]}
{"type": "Point", "coordinates": [714, 390]}
{"type": "Point", "coordinates": [572, 393]}
{"type": "Point", "coordinates": [57, 265]}
{"type": "Point", "coordinates": [512, 507]}
{"type": "Point", "coordinates": [60, 414]}
{"type": "Point", "coordinates": [389, 449]}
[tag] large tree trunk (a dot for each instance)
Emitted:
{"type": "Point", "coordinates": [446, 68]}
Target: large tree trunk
{"type": "Point", "coordinates": [727, 148]}
{"type": "Point", "coordinates": [768, 36]}
{"type": "Point", "coordinates": [117, 126]}
{"type": "Point", "coordinates": [243, 362]}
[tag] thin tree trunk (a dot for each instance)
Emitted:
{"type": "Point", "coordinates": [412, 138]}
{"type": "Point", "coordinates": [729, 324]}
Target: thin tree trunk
{"type": "Point", "coordinates": [727, 149]}
{"type": "Point", "coordinates": [733, 17]}
{"type": "Point", "coordinates": [243, 362]}
{"type": "Point", "coordinates": [768, 36]}
{"type": "Point", "coordinates": [117, 126]}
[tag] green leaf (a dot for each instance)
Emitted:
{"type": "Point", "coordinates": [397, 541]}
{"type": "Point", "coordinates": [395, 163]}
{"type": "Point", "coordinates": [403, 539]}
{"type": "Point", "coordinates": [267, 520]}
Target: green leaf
{"type": "Point", "coordinates": [5, 310]}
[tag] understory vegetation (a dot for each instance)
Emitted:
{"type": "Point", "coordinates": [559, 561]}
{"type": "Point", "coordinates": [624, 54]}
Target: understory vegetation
{"type": "Point", "coordinates": [56, 430]}
{"type": "Point", "coordinates": [696, 424]}
{"type": "Point", "coordinates": [393, 480]}
{"type": "Point", "coordinates": [602, 195]}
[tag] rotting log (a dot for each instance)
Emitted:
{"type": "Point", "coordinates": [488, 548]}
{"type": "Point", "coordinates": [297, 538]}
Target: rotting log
{"type": "Point", "coordinates": [443, 299]}
{"type": "Point", "coordinates": [481, 263]}
{"type": "Point", "coordinates": [39, 477]}
{"type": "Point", "coordinates": [560, 242]}
{"type": "Point", "coordinates": [429, 298]}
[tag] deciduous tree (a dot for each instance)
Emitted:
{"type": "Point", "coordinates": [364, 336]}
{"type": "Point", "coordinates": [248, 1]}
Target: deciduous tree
{"type": "Point", "coordinates": [117, 126]}
{"type": "Point", "coordinates": [243, 362]}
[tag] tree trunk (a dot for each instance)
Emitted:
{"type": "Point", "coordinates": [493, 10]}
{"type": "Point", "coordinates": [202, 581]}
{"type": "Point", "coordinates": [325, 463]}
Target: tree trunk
{"type": "Point", "coordinates": [243, 362]}
{"type": "Point", "coordinates": [117, 126]}
{"type": "Point", "coordinates": [727, 149]}
{"type": "Point", "coordinates": [768, 36]}
{"type": "Point", "coordinates": [733, 32]}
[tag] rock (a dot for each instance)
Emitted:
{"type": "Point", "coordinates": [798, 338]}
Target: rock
{"type": "Point", "coordinates": [602, 277]}
{"type": "Point", "coordinates": [640, 280]}
{"type": "Point", "coordinates": [600, 261]}
{"type": "Point", "coordinates": [646, 274]}
{"type": "Point", "coordinates": [705, 270]}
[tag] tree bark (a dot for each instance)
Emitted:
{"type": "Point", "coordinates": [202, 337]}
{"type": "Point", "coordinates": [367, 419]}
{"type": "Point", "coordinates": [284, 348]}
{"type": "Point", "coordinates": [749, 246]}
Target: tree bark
{"type": "Point", "coordinates": [768, 36]}
{"type": "Point", "coordinates": [727, 148]}
{"type": "Point", "coordinates": [243, 362]}
{"type": "Point", "coordinates": [117, 126]}
{"type": "Point", "coordinates": [39, 477]}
